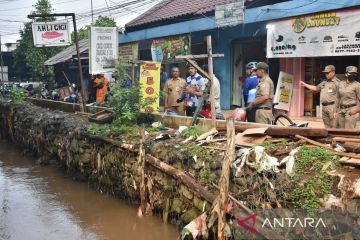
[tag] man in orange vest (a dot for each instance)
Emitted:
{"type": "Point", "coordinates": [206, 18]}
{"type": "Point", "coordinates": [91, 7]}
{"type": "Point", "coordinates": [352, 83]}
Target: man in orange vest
{"type": "Point", "coordinates": [101, 85]}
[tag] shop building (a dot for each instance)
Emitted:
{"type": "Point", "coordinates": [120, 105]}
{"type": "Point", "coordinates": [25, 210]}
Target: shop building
{"type": "Point", "coordinates": [241, 43]}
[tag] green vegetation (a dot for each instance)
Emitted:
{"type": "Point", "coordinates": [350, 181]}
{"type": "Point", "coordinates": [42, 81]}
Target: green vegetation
{"type": "Point", "coordinates": [18, 95]}
{"type": "Point", "coordinates": [269, 145]}
{"type": "Point", "coordinates": [204, 175]}
{"type": "Point", "coordinates": [201, 153]}
{"type": "Point", "coordinates": [310, 181]}
{"type": "Point", "coordinates": [194, 131]}
{"type": "Point", "coordinates": [98, 129]}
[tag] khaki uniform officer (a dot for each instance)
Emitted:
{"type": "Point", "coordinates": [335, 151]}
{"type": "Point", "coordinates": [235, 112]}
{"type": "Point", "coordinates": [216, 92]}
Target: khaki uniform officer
{"type": "Point", "coordinates": [349, 93]}
{"type": "Point", "coordinates": [264, 95]}
{"type": "Point", "coordinates": [173, 90]}
{"type": "Point", "coordinates": [329, 96]}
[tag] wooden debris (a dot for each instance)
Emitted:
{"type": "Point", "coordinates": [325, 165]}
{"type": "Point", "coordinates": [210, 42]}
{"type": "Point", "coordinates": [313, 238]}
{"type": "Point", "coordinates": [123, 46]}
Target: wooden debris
{"type": "Point", "coordinates": [182, 177]}
{"type": "Point", "coordinates": [350, 161]}
{"type": "Point", "coordinates": [343, 139]}
{"type": "Point", "coordinates": [225, 175]}
{"type": "Point", "coordinates": [119, 144]}
{"type": "Point", "coordinates": [141, 163]}
{"type": "Point", "coordinates": [276, 131]}
{"type": "Point", "coordinates": [350, 155]}
{"type": "Point", "coordinates": [203, 136]}
{"type": "Point", "coordinates": [215, 148]}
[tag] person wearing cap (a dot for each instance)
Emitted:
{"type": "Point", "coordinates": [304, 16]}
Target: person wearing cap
{"type": "Point", "coordinates": [264, 95]}
{"type": "Point", "coordinates": [349, 94]}
{"type": "Point", "coordinates": [249, 89]}
{"type": "Point", "coordinates": [329, 96]}
{"type": "Point", "coordinates": [194, 89]}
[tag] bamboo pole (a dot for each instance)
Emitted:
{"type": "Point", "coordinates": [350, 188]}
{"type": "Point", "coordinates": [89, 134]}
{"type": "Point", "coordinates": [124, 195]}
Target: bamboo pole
{"type": "Point", "coordinates": [225, 175]}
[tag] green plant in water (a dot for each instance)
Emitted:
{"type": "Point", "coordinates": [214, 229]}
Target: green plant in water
{"type": "Point", "coordinates": [318, 183]}
{"type": "Point", "coordinates": [194, 131]}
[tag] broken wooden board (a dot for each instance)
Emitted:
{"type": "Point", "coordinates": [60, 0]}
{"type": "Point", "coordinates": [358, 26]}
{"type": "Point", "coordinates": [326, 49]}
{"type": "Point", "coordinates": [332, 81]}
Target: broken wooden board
{"type": "Point", "coordinates": [251, 137]}
{"type": "Point", "coordinates": [350, 161]}
{"type": "Point", "coordinates": [276, 131]}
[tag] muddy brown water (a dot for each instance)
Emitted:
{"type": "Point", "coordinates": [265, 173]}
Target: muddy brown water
{"type": "Point", "coordinates": [41, 202]}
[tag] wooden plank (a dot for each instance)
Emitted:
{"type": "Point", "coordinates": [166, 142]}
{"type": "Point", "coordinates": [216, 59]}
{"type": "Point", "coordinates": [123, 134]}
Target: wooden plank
{"type": "Point", "coordinates": [350, 161]}
{"type": "Point", "coordinates": [343, 139]}
{"type": "Point", "coordinates": [224, 177]}
{"type": "Point", "coordinates": [342, 154]}
{"type": "Point", "coordinates": [199, 56]}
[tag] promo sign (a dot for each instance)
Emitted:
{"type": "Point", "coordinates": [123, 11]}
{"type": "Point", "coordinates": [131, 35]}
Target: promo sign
{"type": "Point", "coordinates": [321, 34]}
{"type": "Point", "coordinates": [50, 34]}
{"type": "Point", "coordinates": [103, 51]}
{"type": "Point", "coordinates": [150, 85]}
{"type": "Point", "coordinates": [284, 91]}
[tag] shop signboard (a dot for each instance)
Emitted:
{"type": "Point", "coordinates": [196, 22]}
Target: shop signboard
{"type": "Point", "coordinates": [321, 34]}
{"type": "Point", "coordinates": [150, 86]}
{"type": "Point", "coordinates": [165, 49]}
{"type": "Point", "coordinates": [128, 52]}
{"type": "Point", "coordinates": [231, 14]}
{"type": "Point", "coordinates": [284, 91]}
{"type": "Point", "coordinates": [51, 34]}
{"type": "Point", "coordinates": [103, 51]}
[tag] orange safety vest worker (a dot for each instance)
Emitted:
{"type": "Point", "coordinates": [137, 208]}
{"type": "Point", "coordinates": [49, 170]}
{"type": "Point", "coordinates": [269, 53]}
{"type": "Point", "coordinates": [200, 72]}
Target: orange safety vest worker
{"type": "Point", "coordinates": [101, 84]}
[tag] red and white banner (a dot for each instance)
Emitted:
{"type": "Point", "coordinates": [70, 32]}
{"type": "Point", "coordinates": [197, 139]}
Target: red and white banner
{"type": "Point", "coordinates": [50, 34]}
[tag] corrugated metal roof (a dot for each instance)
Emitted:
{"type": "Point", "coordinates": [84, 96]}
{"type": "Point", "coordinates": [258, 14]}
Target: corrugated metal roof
{"type": "Point", "coordinates": [173, 9]}
{"type": "Point", "coordinates": [68, 53]}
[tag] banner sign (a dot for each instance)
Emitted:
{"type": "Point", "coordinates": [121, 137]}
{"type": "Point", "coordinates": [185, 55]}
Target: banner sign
{"type": "Point", "coordinates": [128, 52]}
{"type": "Point", "coordinates": [150, 85]}
{"type": "Point", "coordinates": [165, 49]}
{"type": "Point", "coordinates": [231, 14]}
{"type": "Point", "coordinates": [103, 51]}
{"type": "Point", "coordinates": [284, 91]}
{"type": "Point", "coordinates": [321, 34]}
{"type": "Point", "coordinates": [50, 34]}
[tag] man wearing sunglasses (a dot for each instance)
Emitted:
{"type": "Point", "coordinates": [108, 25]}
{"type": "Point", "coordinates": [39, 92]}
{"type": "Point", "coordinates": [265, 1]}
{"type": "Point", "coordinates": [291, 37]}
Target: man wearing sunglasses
{"type": "Point", "coordinates": [329, 96]}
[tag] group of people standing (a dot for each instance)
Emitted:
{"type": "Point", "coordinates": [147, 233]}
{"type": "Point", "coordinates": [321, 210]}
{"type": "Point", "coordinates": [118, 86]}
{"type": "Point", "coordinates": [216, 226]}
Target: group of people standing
{"type": "Point", "coordinates": [338, 98]}
{"type": "Point", "coordinates": [96, 88]}
{"type": "Point", "coordinates": [258, 92]}
{"type": "Point", "coordinates": [182, 95]}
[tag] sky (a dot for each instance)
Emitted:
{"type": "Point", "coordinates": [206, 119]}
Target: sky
{"type": "Point", "coordinates": [13, 13]}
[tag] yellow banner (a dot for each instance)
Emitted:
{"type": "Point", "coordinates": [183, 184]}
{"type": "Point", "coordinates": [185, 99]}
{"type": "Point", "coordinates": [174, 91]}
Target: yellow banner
{"type": "Point", "coordinates": [150, 85]}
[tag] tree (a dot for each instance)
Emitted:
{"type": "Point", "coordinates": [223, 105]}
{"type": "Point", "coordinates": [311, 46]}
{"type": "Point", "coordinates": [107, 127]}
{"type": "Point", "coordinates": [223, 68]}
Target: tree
{"type": "Point", "coordinates": [28, 59]}
{"type": "Point", "coordinates": [100, 22]}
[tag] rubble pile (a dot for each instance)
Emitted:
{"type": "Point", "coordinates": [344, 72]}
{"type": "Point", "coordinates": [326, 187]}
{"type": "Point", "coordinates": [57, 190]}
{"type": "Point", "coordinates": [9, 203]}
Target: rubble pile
{"type": "Point", "coordinates": [182, 174]}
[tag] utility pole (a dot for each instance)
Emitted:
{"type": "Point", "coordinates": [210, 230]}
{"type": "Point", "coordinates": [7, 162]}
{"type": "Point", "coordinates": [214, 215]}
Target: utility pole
{"type": "Point", "coordinates": [92, 13]}
{"type": "Point", "coordinates": [2, 70]}
{"type": "Point", "coordinates": [82, 102]}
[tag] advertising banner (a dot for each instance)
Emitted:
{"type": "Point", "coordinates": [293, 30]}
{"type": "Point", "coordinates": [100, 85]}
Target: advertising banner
{"type": "Point", "coordinates": [165, 49]}
{"type": "Point", "coordinates": [150, 85]}
{"type": "Point", "coordinates": [128, 52]}
{"type": "Point", "coordinates": [103, 51]}
{"type": "Point", "coordinates": [284, 91]}
{"type": "Point", "coordinates": [50, 34]}
{"type": "Point", "coordinates": [321, 34]}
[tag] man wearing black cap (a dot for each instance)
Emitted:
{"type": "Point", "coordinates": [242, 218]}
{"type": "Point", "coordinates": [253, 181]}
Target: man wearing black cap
{"type": "Point", "coordinates": [329, 96]}
{"type": "Point", "coordinates": [264, 95]}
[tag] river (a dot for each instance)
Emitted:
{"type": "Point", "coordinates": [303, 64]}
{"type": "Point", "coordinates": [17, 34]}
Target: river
{"type": "Point", "coordinates": [41, 202]}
